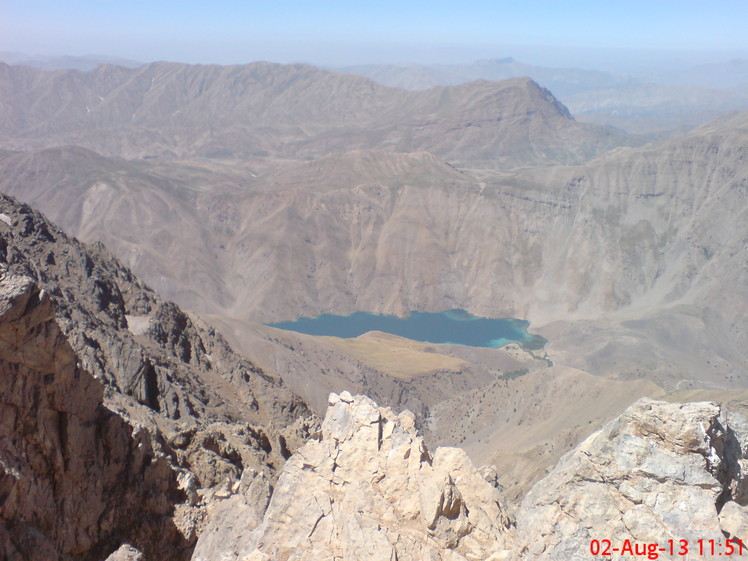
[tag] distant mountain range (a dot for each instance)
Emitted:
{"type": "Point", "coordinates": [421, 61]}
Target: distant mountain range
{"type": "Point", "coordinates": [669, 100]}
{"type": "Point", "coordinates": [666, 101]}
{"type": "Point", "coordinates": [563, 82]}
{"type": "Point", "coordinates": [297, 111]}
{"type": "Point", "coordinates": [47, 62]}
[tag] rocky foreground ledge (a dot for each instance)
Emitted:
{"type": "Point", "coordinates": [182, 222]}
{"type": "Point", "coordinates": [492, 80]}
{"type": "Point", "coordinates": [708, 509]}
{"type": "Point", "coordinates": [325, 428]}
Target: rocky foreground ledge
{"type": "Point", "coordinates": [659, 472]}
{"type": "Point", "coordinates": [369, 489]}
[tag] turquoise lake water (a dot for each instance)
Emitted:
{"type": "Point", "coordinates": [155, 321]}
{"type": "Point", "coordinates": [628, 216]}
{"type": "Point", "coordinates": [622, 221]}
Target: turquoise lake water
{"type": "Point", "coordinates": [456, 327]}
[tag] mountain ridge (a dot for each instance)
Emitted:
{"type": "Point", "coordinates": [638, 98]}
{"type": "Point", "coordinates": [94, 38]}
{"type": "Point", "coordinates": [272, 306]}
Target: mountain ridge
{"type": "Point", "coordinates": [653, 103]}
{"type": "Point", "coordinates": [182, 110]}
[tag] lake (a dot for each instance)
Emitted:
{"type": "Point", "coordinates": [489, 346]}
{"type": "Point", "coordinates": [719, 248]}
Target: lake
{"type": "Point", "coordinates": [455, 327]}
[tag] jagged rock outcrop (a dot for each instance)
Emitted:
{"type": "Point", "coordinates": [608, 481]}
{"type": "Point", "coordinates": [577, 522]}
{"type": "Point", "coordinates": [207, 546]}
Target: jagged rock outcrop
{"type": "Point", "coordinates": [139, 345]}
{"type": "Point", "coordinates": [123, 418]}
{"type": "Point", "coordinates": [659, 472]}
{"type": "Point", "coordinates": [370, 489]}
{"type": "Point", "coordinates": [75, 478]}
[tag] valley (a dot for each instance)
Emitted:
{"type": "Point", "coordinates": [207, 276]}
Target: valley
{"type": "Point", "coordinates": [256, 194]}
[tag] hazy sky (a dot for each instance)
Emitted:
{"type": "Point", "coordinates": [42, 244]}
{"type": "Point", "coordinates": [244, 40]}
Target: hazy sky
{"type": "Point", "coordinates": [345, 32]}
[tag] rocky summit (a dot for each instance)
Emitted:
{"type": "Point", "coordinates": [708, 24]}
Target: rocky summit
{"type": "Point", "coordinates": [368, 488]}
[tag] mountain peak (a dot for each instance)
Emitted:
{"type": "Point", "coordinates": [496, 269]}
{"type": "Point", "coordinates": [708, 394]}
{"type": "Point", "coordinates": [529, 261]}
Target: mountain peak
{"type": "Point", "coordinates": [658, 470]}
{"type": "Point", "coordinates": [370, 463]}
{"type": "Point", "coordinates": [173, 110]}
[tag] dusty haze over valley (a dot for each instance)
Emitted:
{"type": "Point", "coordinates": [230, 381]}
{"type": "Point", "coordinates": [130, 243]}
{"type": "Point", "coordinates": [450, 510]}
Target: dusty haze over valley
{"type": "Point", "coordinates": [156, 217]}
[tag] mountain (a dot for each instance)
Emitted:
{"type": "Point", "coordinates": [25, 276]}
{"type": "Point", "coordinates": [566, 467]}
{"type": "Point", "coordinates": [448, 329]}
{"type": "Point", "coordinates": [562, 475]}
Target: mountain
{"type": "Point", "coordinates": [719, 75]}
{"type": "Point", "coordinates": [630, 263]}
{"type": "Point", "coordinates": [47, 62]}
{"type": "Point", "coordinates": [148, 218]}
{"type": "Point", "coordinates": [281, 191]}
{"type": "Point", "coordinates": [561, 81]}
{"type": "Point", "coordinates": [121, 412]}
{"type": "Point", "coordinates": [666, 102]}
{"type": "Point", "coordinates": [409, 76]}
{"type": "Point", "coordinates": [632, 266]}
{"type": "Point", "coordinates": [102, 305]}
{"type": "Point", "coordinates": [172, 110]}
{"type": "Point", "coordinates": [652, 108]}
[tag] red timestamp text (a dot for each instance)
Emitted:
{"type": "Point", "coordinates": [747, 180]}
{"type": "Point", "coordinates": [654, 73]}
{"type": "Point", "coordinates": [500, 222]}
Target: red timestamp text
{"type": "Point", "coordinates": [727, 547]}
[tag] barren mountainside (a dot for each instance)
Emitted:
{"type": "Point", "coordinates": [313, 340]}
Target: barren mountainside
{"type": "Point", "coordinates": [649, 233]}
{"type": "Point", "coordinates": [262, 109]}
{"type": "Point", "coordinates": [129, 338]}
{"type": "Point", "coordinates": [665, 102]}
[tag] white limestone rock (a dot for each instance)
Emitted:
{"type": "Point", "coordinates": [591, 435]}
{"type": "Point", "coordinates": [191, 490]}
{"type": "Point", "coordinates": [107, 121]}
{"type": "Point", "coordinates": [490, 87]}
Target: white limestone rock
{"type": "Point", "coordinates": [370, 490]}
{"type": "Point", "coordinates": [659, 471]}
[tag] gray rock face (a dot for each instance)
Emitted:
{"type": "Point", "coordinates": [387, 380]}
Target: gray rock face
{"type": "Point", "coordinates": [74, 476]}
{"type": "Point", "coordinates": [660, 471]}
{"type": "Point", "coordinates": [370, 489]}
{"type": "Point", "coordinates": [126, 553]}
{"type": "Point", "coordinates": [139, 346]}
{"type": "Point", "coordinates": [733, 519]}
{"type": "Point", "coordinates": [122, 418]}
{"type": "Point", "coordinates": [233, 518]}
